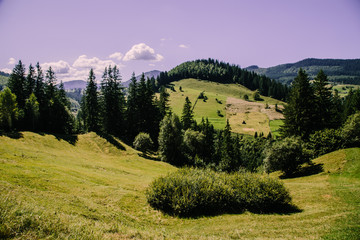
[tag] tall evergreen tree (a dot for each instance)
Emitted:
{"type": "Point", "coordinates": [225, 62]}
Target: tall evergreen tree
{"type": "Point", "coordinates": [163, 103]}
{"type": "Point", "coordinates": [113, 101]}
{"type": "Point", "coordinates": [32, 112]}
{"type": "Point", "coordinates": [91, 108]}
{"type": "Point", "coordinates": [17, 84]}
{"type": "Point", "coordinates": [132, 109]}
{"type": "Point", "coordinates": [170, 140]}
{"type": "Point", "coordinates": [30, 81]}
{"type": "Point", "coordinates": [299, 112]}
{"type": "Point", "coordinates": [324, 102]}
{"type": "Point", "coordinates": [187, 117]}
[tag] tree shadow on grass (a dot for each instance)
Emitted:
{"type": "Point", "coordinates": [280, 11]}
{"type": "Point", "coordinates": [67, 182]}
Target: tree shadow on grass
{"type": "Point", "coordinates": [285, 209]}
{"type": "Point", "coordinates": [308, 170]}
{"type": "Point", "coordinates": [111, 140]}
{"type": "Point", "coordinates": [72, 139]}
{"type": "Point", "coordinates": [149, 157]}
{"type": "Point", "coordinates": [12, 134]}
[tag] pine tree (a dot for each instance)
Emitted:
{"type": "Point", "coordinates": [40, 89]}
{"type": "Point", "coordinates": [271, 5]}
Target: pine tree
{"type": "Point", "coordinates": [299, 112]}
{"type": "Point", "coordinates": [17, 84]}
{"type": "Point", "coordinates": [187, 117]}
{"type": "Point", "coordinates": [163, 103]}
{"type": "Point", "coordinates": [90, 106]}
{"type": "Point", "coordinates": [170, 140]}
{"type": "Point", "coordinates": [32, 112]}
{"type": "Point", "coordinates": [30, 82]}
{"type": "Point", "coordinates": [40, 96]}
{"type": "Point", "coordinates": [132, 111]}
{"type": "Point", "coordinates": [324, 102]}
{"type": "Point", "coordinates": [113, 102]}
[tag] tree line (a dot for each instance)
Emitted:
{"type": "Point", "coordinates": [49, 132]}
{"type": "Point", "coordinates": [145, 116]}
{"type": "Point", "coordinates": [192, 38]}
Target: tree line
{"type": "Point", "coordinates": [316, 120]}
{"type": "Point", "coordinates": [221, 72]}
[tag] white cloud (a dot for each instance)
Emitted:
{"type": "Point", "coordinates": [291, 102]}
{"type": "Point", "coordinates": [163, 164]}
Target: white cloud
{"type": "Point", "coordinates": [142, 51]}
{"type": "Point", "coordinates": [60, 67]}
{"type": "Point", "coordinates": [183, 46]}
{"type": "Point", "coordinates": [12, 61]}
{"type": "Point", "coordinates": [6, 70]}
{"type": "Point", "coordinates": [151, 65]}
{"type": "Point", "coordinates": [116, 55]}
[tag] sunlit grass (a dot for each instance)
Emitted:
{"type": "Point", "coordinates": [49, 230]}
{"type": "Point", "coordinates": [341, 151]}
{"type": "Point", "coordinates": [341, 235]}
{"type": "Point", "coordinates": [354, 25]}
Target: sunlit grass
{"type": "Point", "coordinates": [90, 189]}
{"type": "Point", "coordinates": [275, 126]}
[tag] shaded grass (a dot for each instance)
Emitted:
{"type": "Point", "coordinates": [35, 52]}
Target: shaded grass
{"type": "Point", "coordinates": [93, 190]}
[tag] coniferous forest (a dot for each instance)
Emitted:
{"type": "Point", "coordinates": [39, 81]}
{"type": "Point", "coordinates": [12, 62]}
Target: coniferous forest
{"type": "Point", "coordinates": [316, 121]}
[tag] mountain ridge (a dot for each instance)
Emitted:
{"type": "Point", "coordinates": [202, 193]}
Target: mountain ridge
{"type": "Point", "coordinates": [338, 70]}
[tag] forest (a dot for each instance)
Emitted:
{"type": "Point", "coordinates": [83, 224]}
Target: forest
{"type": "Point", "coordinates": [316, 121]}
{"type": "Point", "coordinates": [221, 72]}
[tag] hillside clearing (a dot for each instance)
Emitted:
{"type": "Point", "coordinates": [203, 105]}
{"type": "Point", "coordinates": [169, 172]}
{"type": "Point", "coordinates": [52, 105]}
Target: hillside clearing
{"type": "Point", "coordinates": [225, 102]}
{"type": "Point", "coordinates": [87, 188]}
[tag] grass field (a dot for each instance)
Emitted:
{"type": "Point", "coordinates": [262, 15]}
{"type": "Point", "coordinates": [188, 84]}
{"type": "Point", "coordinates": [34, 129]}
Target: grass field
{"type": "Point", "coordinates": [275, 126]}
{"type": "Point", "coordinates": [192, 88]}
{"type": "Point", "coordinates": [86, 188]}
{"type": "Point", "coordinates": [344, 89]}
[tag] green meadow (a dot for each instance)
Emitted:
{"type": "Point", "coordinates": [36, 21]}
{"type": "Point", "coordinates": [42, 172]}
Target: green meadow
{"type": "Point", "coordinates": [93, 187]}
{"type": "Point", "coordinates": [215, 110]}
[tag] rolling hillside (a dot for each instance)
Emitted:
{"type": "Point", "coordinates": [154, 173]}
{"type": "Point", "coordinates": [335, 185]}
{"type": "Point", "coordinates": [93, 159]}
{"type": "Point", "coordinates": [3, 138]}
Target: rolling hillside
{"type": "Point", "coordinates": [338, 70]}
{"type": "Point", "coordinates": [225, 101]}
{"type": "Point", "coordinates": [84, 187]}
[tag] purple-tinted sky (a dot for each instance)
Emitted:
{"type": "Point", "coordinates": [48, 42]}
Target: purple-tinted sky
{"type": "Point", "coordinates": [143, 35]}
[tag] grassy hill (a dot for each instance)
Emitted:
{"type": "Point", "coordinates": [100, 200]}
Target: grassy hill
{"type": "Point", "coordinates": [338, 70]}
{"type": "Point", "coordinates": [87, 188]}
{"type": "Point", "coordinates": [228, 100]}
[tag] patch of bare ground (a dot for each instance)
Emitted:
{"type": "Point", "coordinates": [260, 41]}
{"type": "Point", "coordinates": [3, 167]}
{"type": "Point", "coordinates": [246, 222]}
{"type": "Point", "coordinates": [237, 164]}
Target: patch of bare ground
{"type": "Point", "coordinates": [249, 117]}
{"type": "Point", "coordinates": [235, 105]}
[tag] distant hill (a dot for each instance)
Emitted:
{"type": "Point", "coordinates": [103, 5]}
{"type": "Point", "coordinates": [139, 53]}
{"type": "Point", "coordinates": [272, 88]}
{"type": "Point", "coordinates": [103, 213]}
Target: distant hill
{"type": "Point", "coordinates": [74, 84]}
{"type": "Point", "coordinates": [338, 70]}
{"type": "Point", "coordinates": [153, 73]}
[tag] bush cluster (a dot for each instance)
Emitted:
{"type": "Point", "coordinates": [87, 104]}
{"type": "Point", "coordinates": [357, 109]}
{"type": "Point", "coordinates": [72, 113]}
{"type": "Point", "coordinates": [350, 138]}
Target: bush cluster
{"type": "Point", "coordinates": [195, 192]}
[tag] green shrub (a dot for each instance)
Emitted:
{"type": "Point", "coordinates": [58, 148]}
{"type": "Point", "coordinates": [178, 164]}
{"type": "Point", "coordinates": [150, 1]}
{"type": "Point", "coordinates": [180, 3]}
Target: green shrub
{"type": "Point", "coordinates": [325, 141]}
{"type": "Point", "coordinates": [195, 192]}
{"type": "Point", "coordinates": [351, 131]}
{"type": "Point", "coordinates": [286, 155]}
{"type": "Point", "coordinates": [143, 142]}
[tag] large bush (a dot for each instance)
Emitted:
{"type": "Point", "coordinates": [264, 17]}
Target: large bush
{"type": "Point", "coordinates": [286, 155]}
{"type": "Point", "coordinates": [143, 142]}
{"type": "Point", "coordinates": [194, 192]}
{"type": "Point", "coordinates": [351, 131]}
{"type": "Point", "coordinates": [325, 141]}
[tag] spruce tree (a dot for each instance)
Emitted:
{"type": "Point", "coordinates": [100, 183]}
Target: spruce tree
{"type": "Point", "coordinates": [299, 113]}
{"type": "Point", "coordinates": [324, 102]}
{"type": "Point", "coordinates": [113, 102]}
{"type": "Point", "coordinates": [187, 117]}
{"type": "Point", "coordinates": [170, 140]}
{"type": "Point", "coordinates": [30, 81]}
{"type": "Point", "coordinates": [32, 112]}
{"type": "Point", "coordinates": [17, 84]}
{"type": "Point", "coordinates": [90, 106]}
{"type": "Point", "coordinates": [132, 109]}
{"type": "Point", "coordinates": [163, 103]}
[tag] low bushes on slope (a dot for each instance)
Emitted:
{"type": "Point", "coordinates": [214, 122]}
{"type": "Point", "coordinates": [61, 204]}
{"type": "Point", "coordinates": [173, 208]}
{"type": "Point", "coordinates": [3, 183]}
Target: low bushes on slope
{"type": "Point", "coordinates": [195, 192]}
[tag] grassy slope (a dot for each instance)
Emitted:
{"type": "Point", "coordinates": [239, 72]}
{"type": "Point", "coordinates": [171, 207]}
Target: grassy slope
{"type": "Point", "coordinates": [192, 88]}
{"type": "Point", "coordinates": [91, 189]}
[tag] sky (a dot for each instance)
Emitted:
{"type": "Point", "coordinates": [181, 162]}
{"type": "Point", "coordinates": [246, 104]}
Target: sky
{"type": "Point", "coordinates": [138, 36]}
